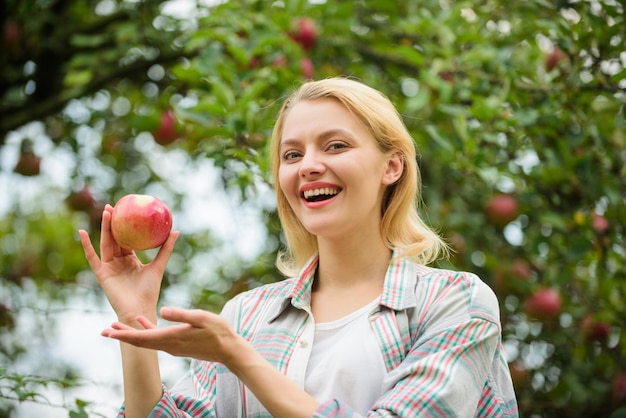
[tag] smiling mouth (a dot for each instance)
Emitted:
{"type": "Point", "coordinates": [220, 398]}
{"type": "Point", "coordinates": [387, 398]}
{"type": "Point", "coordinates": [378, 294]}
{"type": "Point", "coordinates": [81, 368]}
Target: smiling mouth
{"type": "Point", "coordinates": [318, 195]}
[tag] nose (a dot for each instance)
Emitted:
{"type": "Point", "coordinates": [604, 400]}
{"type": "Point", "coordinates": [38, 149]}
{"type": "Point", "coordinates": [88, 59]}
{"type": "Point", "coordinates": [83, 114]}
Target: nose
{"type": "Point", "coordinates": [311, 164]}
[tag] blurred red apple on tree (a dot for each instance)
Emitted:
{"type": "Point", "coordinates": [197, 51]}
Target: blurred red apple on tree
{"type": "Point", "coordinates": [599, 224]}
{"type": "Point", "coordinates": [13, 36]}
{"type": "Point", "coordinates": [255, 61]}
{"type": "Point", "coordinates": [29, 164]}
{"type": "Point", "coordinates": [618, 388]}
{"type": "Point", "coordinates": [447, 76]}
{"type": "Point", "coordinates": [543, 304]}
{"type": "Point", "coordinates": [140, 222]}
{"type": "Point", "coordinates": [304, 32]}
{"type": "Point", "coordinates": [521, 269]}
{"type": "Point", "coordinates": [512, 278]}
{"type": "Point", "coordinates": [81, 200]}
{"type": "Point", "coordinates": [594, 330]}
{"type": "Point", "coordinates": [556, 58]}
{"type": "Point", "coordinates": [279, 62]}
{"type": "Point", "coordinates": [501, 209]}
{"type": "Point", "coordinates": [307, 68]}
{"type": "Point", "coordinates": [167, 131]}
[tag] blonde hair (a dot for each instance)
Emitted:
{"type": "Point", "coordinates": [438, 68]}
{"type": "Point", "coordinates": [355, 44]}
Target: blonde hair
{"type": "Point", "coordinates": [401, 225]}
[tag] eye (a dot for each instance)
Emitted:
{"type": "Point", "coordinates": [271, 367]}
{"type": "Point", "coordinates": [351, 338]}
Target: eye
{"type": "Point", "coordinates": [336, 146]}
{"type": "Point", "coordinates": [290, 155]}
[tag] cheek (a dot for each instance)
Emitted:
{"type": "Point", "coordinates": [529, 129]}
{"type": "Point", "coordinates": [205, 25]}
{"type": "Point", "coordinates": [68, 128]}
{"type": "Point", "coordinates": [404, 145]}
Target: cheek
{"type": "Point", "coordinates": [286, 181]}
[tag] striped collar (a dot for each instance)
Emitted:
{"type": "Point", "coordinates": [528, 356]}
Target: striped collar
{"type": "Point", "coordinates": [398, 289]}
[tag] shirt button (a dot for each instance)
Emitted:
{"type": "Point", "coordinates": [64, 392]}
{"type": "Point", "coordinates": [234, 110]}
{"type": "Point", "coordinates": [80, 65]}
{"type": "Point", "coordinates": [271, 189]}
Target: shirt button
{"type": "Point", "coordinates": [303, 343]}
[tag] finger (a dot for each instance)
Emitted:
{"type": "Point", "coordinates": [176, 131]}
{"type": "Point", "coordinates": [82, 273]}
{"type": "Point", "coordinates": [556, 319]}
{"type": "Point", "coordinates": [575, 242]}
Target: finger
{"type": "Point", "coordinates": [141, 320]}
{"type": "Point", "coordinates": [196, 318]}
{"type": "Point", "coordinates": [116, 326]}
{"type": "Point", "coordinates": [122, 326]}
{"type": "Point", "coordinates": [107, 252]}
{"type": "Point", "coordinates": [145, 322]}
{"type": "Point", "coordinates": [156, 339]}
{"type": "Point", "coordinates": [90, 252]}
{"type": "Point", "coordinates": [132, 335]}
{"type": "Point", "coordinates": [109, 248]}
{"type": "Point", "coordinates": [119, 250]}
{"type": "Point", "coordinates": [108, 332]}
{"type": "Point", "coordinates": [166, 250]}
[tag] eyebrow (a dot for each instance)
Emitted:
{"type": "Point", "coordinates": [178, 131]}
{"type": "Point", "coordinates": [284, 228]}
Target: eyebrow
{"type": "Point", "coordinates": [324, 135]}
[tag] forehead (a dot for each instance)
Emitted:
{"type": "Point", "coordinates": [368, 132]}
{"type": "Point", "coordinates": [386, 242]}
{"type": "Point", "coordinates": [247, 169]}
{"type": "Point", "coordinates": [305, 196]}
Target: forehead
{"type": "Point", "coordinates": [313, 116]}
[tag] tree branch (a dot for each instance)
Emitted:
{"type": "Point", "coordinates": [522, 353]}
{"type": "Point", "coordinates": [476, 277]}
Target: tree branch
{"type": "Point", "coordinates": [35, 111]}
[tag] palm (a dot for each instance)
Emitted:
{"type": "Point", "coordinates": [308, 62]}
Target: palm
{"type": "Point", "coordinates": [199, 334]}
{"type": "Point", "coordinates": [130, 286]}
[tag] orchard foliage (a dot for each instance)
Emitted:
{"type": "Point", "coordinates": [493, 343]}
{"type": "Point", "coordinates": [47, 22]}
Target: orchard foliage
{"type": "Point", "coordinates": [517, 109]}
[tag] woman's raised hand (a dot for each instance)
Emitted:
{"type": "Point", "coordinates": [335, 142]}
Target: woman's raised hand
{"type": "Point", "coordinates": [131, 287]}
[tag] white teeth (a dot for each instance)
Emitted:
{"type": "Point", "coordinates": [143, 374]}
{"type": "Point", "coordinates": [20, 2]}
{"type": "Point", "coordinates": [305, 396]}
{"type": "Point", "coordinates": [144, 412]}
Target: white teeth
{"type": "Point", "coordinates": [324, 191]}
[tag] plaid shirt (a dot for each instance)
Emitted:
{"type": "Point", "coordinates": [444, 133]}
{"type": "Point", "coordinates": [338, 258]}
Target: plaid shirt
{"type": "Point", "coordinates": [439, 333]}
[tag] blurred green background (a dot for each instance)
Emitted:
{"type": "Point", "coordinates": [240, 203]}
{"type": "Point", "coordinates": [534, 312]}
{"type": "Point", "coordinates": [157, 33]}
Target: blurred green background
{"type": "Point", "coordinates": [516, 107]}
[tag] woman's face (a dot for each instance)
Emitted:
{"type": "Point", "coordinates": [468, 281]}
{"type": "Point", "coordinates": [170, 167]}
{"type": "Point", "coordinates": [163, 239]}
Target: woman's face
{"type": "Point", "coordinates": [331, 170]}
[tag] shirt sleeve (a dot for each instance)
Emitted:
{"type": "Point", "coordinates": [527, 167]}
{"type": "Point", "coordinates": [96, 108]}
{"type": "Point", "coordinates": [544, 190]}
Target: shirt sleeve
{"type": "Point", "coordinates": [179, 405]}
{"type": "Point", "coordinates": [448, 371]}
{"type": "Point", "coordinates": [199, 403]}
{"type": "Point", "coordinates": [184, 404]}
{"type": "Point", "coordinates": [195, 395]}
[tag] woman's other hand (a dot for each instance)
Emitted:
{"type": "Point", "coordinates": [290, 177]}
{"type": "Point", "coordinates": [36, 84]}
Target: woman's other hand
{"type": "Point", "coordinates": [198, 334]}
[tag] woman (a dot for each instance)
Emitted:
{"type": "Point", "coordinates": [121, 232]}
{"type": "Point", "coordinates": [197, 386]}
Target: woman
{"type": "Point", "coordinates": [363, 327]}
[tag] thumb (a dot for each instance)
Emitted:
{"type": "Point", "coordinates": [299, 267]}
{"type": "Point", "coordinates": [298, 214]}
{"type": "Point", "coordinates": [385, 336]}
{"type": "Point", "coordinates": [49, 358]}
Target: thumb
{"type": "Point", "coordinates": [166, 250]}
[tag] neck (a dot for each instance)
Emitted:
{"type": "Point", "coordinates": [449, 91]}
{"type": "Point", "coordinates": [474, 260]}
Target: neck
{"type": "Point", "coordinates": [344, 265]}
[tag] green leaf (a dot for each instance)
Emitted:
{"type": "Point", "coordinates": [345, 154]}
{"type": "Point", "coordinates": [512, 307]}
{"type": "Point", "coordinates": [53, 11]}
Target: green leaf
{"type": "Point", "coordinates": [410, 55]}
{"type": "Point", "coordinates": [78, 78]}
{"type": "Point", "coordinates": [434, 134]}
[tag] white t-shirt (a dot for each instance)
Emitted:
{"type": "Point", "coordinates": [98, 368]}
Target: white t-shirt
{"type": "Point", "coordinates": [346, 362]}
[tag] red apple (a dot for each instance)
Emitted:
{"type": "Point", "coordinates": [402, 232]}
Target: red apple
{"type": "Point", "coordinates": [167, 132]}
{"type": "Point", "coordinates": [307, 68]}
{"type": "Point", "coordinates": [512, 278]}
{"type": "Point", "coordinates": [29, 164]}
{"type": "Point", "coordinates": [279, 62]}
{"type": "Point", "coordinates": [304, 32]}
{"type": "Point", "coordinates": [255, 62]}
{"type": "Point", "coordinates": [81, 200]}
{"type": "Point", "coordinates": [140, 222]}
{"type": "Point", "coordinates": [543, 304]}
{"type": "Point", "coordinates": [599, 224]}
{"type": "Point", "coordinates": [499, 280]}
{"type": "Point", "coordinates": [12, 36]}
{"type": "Point", "coordinates": [447, 76]}
{"type": "Point", "coordinates": [618, 388]}
{"type": "Point", "coordinates": [521, 269]}
{"type": "Point", "coordinates": [556, 58]}
{"type": "Point", "coordinates": [594, 330]}
{"type": "Point", "coordinates": [501, 209]}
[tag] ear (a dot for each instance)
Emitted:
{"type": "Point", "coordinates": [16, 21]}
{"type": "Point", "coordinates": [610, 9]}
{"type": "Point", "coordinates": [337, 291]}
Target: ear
{"type": "Point", "coordinates": [394, 169]}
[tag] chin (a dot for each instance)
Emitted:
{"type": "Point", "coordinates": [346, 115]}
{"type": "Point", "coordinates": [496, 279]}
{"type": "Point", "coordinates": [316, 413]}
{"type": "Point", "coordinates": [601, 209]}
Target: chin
{"type": "Point", "coordinates": [321, 229]}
